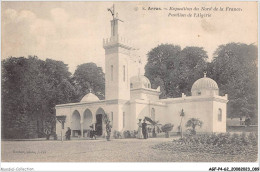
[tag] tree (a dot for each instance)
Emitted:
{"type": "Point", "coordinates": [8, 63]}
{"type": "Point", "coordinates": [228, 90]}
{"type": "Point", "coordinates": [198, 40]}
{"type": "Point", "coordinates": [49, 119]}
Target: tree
{"type": "Point", "coordinates": [66, 92]}
{"type": "Point", "coordinates": [30, 90]}
{"type": "Point", "coordinates": [175, 70]}
{"type": "Point", "coordinates": [56, 89]}
{"type": "Point", "coordinates": [193, 123]}
{"type": "Point", "coordinates": [89, 77]}
{"type": "Point", "coordinates": [160, 63]}
{"type": "Point", "coordinates": [20, 96]}
{"type": "Point", "coordinates": [189, 67]}
{"type": "Point", "coordinates": [234, 68]}
{"type": "Point", "coordinates": [166, 128]}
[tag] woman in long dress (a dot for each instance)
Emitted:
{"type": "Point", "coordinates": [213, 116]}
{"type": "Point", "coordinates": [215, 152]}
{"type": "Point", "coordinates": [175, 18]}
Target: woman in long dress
{"type": "Point", "coordinates": [139, 135]}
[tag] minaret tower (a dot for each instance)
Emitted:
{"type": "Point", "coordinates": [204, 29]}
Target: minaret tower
{"type": "Point", "coordinates": [117, 58]}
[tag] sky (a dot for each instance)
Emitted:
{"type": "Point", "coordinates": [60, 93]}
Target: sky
{"type": "Point", "coordinates": [73, 32]}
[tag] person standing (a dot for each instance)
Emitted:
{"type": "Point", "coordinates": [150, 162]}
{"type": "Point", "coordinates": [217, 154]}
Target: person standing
{"type": "Point", "coordinates": [144, 129]}
{"type": "Point", "coordinates": [92, 133]}
{"type": "Point", "coordinates": [108, 130]}
{"type": "Point", "coordinates": [139, 134]}
{"type": "Point", "coordinates": [68, 133]}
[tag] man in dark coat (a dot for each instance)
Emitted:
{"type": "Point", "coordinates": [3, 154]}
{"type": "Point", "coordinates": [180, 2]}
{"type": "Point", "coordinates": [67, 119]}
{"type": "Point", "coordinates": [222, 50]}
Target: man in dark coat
{"type": "Point", "coordinates": [68, 133]}
{"type": "Point", "coordinates": [92, 132]}
{"type": "Point", "coordinates": [144, 129]}
{"type": "Point", "coordinates": [108, 130]}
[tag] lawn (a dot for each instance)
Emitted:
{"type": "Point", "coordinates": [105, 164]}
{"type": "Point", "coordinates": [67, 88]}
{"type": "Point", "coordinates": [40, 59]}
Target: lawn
{"type": "Point", "coordinates": [116, 150]}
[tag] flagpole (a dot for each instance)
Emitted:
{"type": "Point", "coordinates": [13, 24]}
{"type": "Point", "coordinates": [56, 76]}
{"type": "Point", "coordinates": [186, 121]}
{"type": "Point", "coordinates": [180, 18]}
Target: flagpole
{"type": "Point", "coordinates": [113, 11]}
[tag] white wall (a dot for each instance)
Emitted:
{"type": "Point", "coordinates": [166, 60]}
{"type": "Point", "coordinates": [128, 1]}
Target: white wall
{"type": "Point", "coordinates": [166, 110]}
{"type": "Point", "coordinates": [117, 88]}
{"type": "Point", "coordinates": [124, 86]}
{"type": "Point", "coordinates": [113, 108]}
{"type": "Point", "coordinates": [132, 117]}
{"type": "Point", "coordinates": [124, 108]}
{"type": "Point", "coordinates": [219, 126]}
{"type": "Point", "coordinates": [142, 108]}
{"type": "Point", "coordinates": [111, 86]}
{"type": "Point", "coordinates": [144, 94]}
{"type": "Point", "coordinates": [200, 109]}
{"type": "Point", "coordinates": [68, 110]}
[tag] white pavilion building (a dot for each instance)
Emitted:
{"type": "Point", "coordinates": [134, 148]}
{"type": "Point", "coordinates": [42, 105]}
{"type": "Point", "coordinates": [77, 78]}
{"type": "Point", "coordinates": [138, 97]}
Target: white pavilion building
{"type": "Point", "coordinates": [128, 99]}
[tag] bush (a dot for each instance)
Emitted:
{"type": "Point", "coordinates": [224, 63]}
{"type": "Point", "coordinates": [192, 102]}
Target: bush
{"type": "Point", "coordinates": [127, 134]}
{"type": "Point", "coordinates": [236, 146]}
{"type": "Point", "coordinates": [223, 143]}
{"type": "Point", "coordinates": [117, 135]}
{"type": "Point", "coordinates": [193, 123]}
{"type": "Point", "coordinates": [130, 134]}
{"type": "Point", "coordinates": [253, 139]}
{"type": "Point", "coordinates": [167, 128]}
{"type": "Point", "coordinates": [133, 133]}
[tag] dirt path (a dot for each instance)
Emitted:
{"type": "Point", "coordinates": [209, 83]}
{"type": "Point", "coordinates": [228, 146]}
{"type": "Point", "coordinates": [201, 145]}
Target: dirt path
{"type": "Point", "coordinates": [118, 150]}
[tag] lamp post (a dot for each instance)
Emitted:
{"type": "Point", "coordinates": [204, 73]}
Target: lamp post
{"type": "Point", "coordinates": [182, 115]}
{"type": "Point", "coordinates": [62, 120]}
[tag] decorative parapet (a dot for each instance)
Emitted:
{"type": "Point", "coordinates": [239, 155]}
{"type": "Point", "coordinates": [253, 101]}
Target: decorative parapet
{"type": "Point", "coordinates": [146, 90]}
{"type": "Point", "coordinates": [147, 102]}
{"type": "Point", "coordinates": [60, 106]}
{"type": "Point", "coordinates": [185, 98]}
{"type": "Point", "coordinates": [115, 40]}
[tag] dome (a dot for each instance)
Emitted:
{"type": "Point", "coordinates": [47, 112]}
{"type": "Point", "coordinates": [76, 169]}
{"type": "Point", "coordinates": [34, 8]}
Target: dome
{"type": "Point", "coordinates": [140, 81]}
{"type": "Point", "coordinates": [90, 97]}
{"type": "Point", "coordinates": [204, 83]}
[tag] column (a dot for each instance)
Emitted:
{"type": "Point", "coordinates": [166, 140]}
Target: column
{"type": "Point", "coordinates": [104, 133]}
{"type": "Point", "coordinates": [94, 121]}
{"type": "Point", "coordinates": [81, 128]}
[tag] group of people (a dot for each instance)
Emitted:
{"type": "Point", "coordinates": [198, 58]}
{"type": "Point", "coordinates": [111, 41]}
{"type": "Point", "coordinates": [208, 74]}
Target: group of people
{"type": "Point", "coordinates": [142, 129]}
{"type": "Point", "coordinates": [92, 133]}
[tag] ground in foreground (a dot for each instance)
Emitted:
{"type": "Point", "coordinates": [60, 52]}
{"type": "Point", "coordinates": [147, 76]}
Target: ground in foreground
{"type": "Point", "coordinates": [117, 150]}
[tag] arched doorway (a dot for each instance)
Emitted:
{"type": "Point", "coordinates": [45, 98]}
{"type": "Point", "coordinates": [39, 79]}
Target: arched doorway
{"type": "Point", "coordinates": [99, 121]}
{"type": "Point", "coordinates": [87, 121]}
{"type": "Point", "coordinates": [75, 124]}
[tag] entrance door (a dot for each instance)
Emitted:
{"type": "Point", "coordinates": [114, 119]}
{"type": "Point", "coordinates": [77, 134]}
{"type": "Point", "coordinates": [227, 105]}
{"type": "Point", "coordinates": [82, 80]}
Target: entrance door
{"type": "Point", "coordinates": [99, 124]}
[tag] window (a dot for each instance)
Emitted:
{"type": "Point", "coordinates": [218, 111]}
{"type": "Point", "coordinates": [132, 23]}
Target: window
{"type": "Point", "coordinates": [112, 70]}
{"type": "Point", "coordinates": [199, 93]}
{"type": "Point", "coordinates": [153, 114]}
{"type": "Point", "coordinates": [124, 73]}
{"type": "Point", "coordinates": [219, 115]}
{"type": "Point", "coordinates": [131, 85]}
{"type": "Point", "coordinates": [123, 119]}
